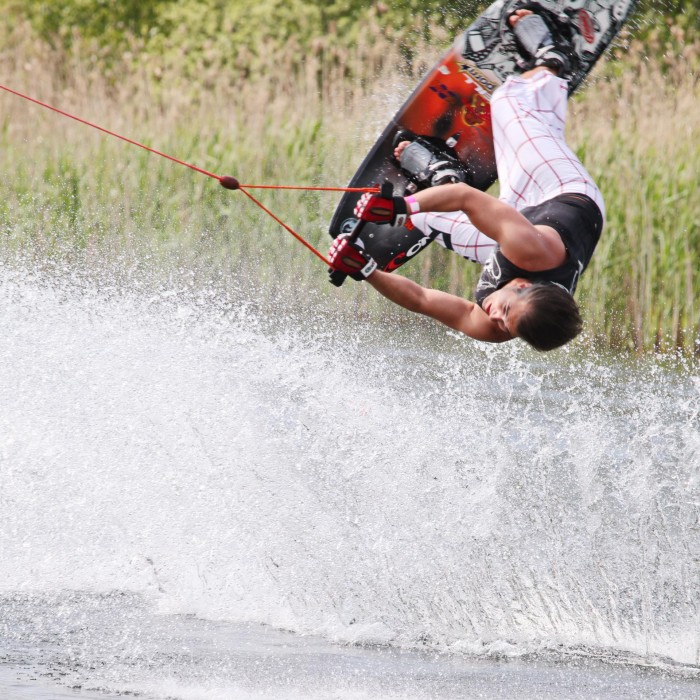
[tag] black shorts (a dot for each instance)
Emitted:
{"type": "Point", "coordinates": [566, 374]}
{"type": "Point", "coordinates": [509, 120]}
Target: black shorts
{"type": "Point", "coordinates": [576, 218]}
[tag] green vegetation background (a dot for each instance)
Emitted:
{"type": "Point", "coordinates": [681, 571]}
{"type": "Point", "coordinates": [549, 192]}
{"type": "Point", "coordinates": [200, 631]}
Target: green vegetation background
{"type": "Point", "coordinates": [251, 23]}
{"type": "Point", "coordinates": [236, 31]}
{"type": "Point", "coordinates": [288, 91]}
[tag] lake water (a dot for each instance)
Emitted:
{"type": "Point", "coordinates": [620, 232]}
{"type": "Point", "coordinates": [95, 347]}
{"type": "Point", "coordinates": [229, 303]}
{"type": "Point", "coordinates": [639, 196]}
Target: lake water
{"type": "Point", "coordinates": [185, 476]}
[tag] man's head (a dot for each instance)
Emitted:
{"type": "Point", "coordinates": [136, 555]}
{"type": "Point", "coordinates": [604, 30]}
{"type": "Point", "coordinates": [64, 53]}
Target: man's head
{"type": "Point", "coordinates": [551, 318]}
{"type": "Point", "coordinates": [543, 315]}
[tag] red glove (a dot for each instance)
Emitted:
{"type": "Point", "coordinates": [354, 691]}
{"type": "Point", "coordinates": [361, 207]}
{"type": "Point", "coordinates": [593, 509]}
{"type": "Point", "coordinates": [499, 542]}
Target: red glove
{"type": "Point", "coordinates": [346, 257]}
{"type": "Point", "coordinates": [382, 210]}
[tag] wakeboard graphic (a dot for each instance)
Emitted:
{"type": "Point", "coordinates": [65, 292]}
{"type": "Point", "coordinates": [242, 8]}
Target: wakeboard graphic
{"type": "Point", "coordinates": [451, 108]}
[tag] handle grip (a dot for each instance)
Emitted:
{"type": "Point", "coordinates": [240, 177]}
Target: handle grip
{"type": "Point", "coordinates": [337, 278]}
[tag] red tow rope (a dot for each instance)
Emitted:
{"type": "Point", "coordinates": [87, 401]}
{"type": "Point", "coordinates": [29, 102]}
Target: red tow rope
{"type": "Point", "coordinates": [230, 183]}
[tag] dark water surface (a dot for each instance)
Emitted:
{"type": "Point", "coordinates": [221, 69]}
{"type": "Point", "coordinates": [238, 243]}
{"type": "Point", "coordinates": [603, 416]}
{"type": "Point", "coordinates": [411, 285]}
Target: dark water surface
{"type": "Point", "coordinates": [107, 646]}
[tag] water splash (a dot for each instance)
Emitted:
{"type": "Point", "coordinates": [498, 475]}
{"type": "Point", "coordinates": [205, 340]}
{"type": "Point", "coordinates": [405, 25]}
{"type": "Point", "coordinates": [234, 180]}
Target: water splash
{"type": "Point", "coordinates": [371, 484]}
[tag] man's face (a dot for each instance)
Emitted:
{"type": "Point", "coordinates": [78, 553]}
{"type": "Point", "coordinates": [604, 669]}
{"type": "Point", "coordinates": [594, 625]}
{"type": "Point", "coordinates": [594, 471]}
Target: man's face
{"type": "Point", "coordinates": [506, 305]}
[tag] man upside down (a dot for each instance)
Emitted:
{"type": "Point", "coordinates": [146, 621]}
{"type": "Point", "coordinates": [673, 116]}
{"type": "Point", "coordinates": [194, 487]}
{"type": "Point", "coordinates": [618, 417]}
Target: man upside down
{"type": "Point", "coordinates": [534, 241]}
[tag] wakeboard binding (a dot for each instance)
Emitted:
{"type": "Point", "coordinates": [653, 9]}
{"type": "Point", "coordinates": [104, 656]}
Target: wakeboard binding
{"type": "Point", "coordinates": [429, 161]}
{"type": "Point", "coordinates": [545, 39]}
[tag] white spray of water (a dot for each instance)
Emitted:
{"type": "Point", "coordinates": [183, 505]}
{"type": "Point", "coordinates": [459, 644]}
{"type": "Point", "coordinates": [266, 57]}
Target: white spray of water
{"type": "Point", "coordinates": [351, 483]}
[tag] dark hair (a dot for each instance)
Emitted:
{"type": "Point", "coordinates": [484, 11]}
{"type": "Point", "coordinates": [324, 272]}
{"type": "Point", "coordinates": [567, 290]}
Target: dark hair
{"type": "Point", "coordinates": [551, 319]}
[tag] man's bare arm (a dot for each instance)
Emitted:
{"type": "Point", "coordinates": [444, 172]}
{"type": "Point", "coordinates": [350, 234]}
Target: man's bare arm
{"type": "Point", "coordinates": [530, 247]}
{"type": "Point", "coordinates": [462, 315]}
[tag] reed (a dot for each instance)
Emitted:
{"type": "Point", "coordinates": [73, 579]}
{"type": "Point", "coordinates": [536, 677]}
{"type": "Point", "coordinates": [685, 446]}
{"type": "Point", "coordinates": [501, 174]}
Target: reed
{"type": "Point", "coordinates": [72, 192]}
{"type": "Point", "coordinates": [638, 134]}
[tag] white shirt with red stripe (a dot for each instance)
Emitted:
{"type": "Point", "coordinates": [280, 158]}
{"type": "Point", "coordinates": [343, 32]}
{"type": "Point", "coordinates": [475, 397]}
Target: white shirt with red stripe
{"type": "Point", "coordinates": [533, 160]}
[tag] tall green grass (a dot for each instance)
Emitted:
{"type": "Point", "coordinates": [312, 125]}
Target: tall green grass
{"type": "Point", "coordinates": [69, 191]}
{"type": "Point", "coordinates": [640, 136]}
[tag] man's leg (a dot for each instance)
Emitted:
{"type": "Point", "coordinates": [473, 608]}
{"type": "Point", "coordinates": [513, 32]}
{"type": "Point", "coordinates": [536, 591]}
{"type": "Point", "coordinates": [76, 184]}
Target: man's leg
{"type": "Point", "coordinates": [533, 159]}
{"type": "Point", "coordinates": [454, 231]}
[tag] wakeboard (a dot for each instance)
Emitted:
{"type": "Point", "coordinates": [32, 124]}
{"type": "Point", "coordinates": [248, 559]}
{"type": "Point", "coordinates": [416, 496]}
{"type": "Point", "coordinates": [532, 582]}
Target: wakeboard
{"type": "Point", "coordinates": [450, 111]}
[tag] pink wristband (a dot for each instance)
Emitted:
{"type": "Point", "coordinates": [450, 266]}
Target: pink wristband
{"type": "Point", "coordinates": [412, 204]}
